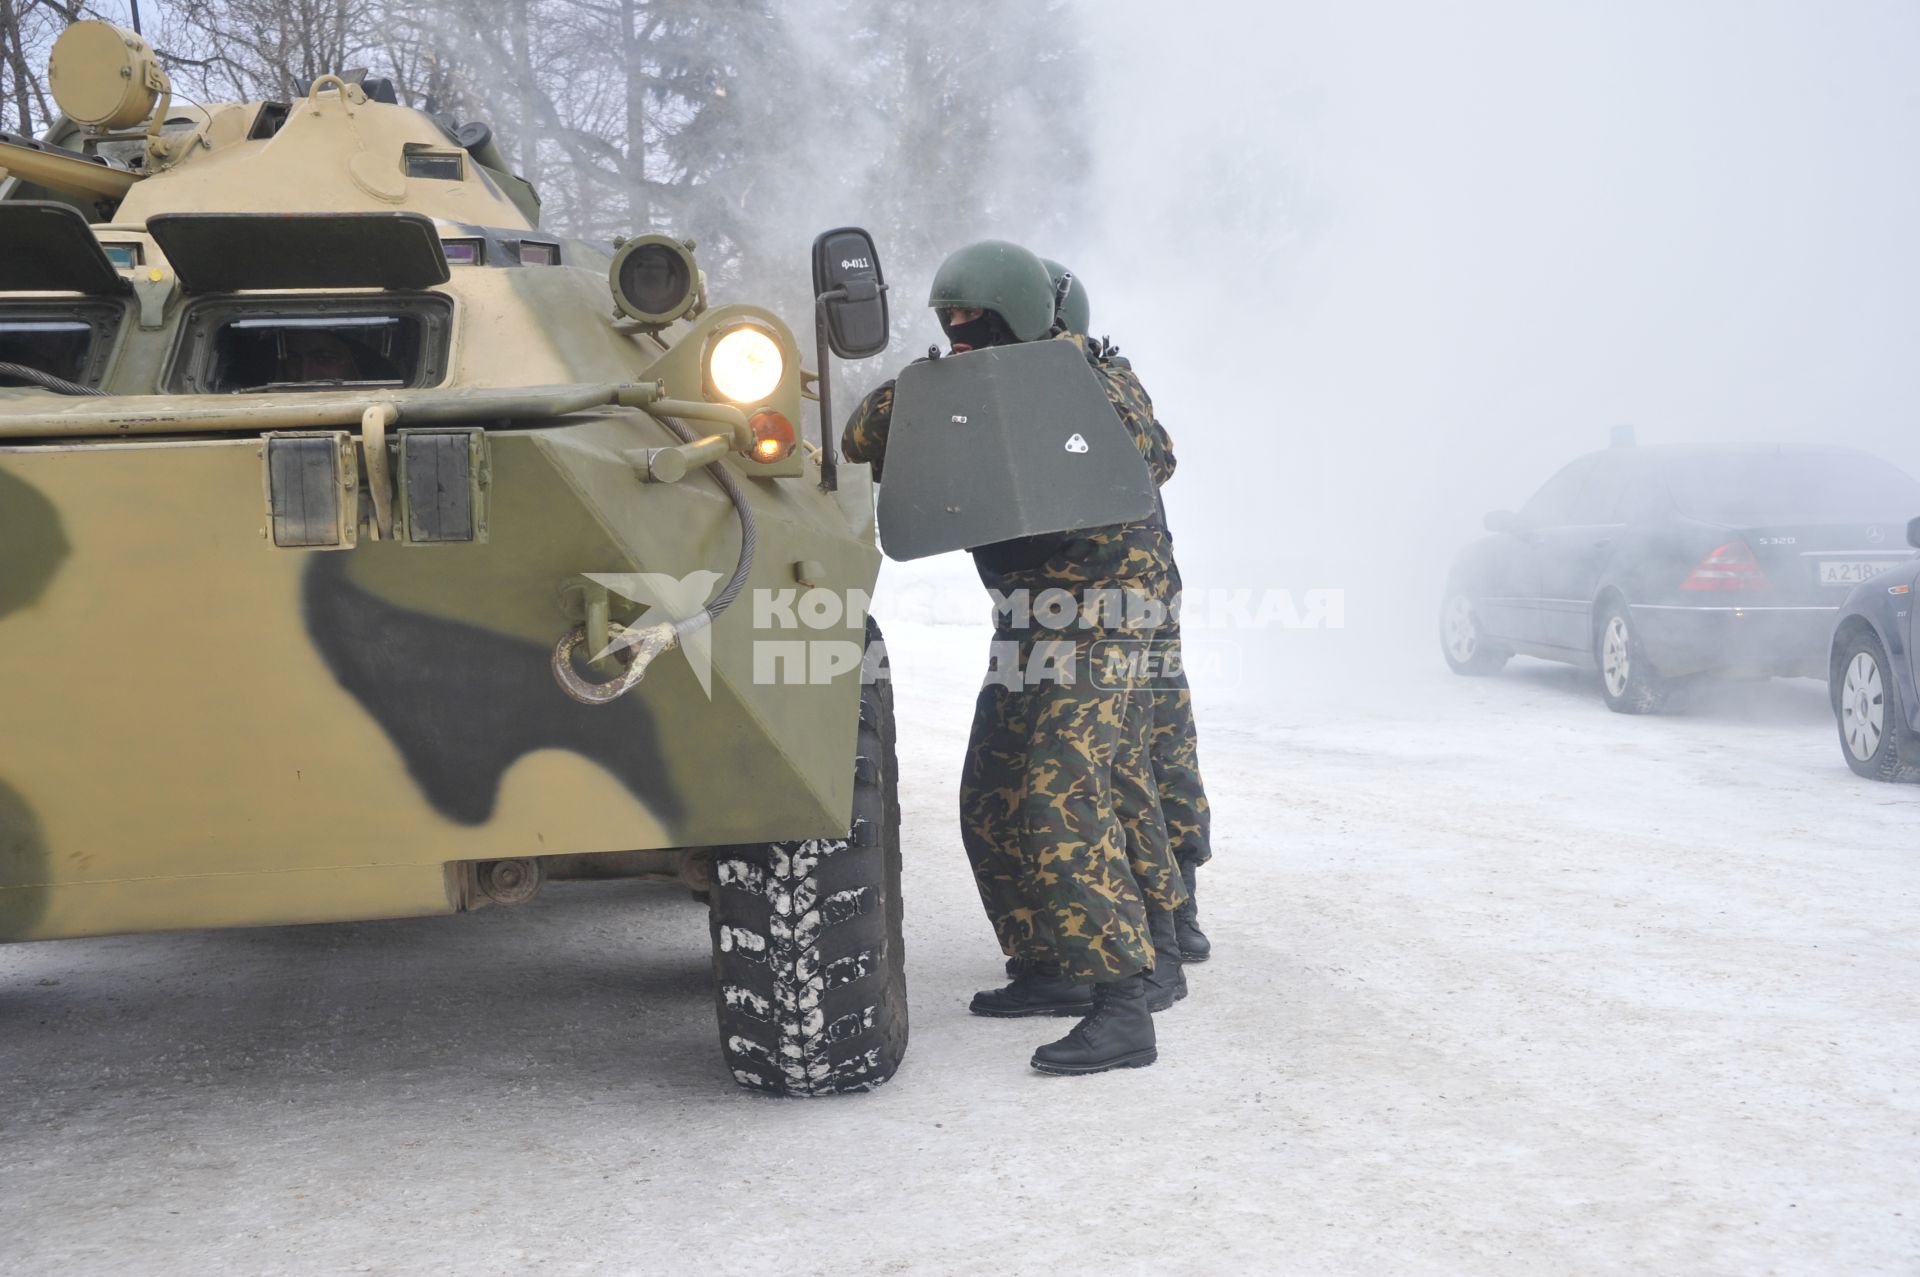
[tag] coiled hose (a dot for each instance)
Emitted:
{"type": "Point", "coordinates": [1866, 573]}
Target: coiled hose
{"type": "Point", "coordinates": [46, 380]}
{"type": "Point", "coordinates": [645, 644]}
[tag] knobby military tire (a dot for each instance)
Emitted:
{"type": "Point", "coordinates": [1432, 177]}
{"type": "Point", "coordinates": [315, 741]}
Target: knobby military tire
{"type": "Point", "coordinates": [808, 955]}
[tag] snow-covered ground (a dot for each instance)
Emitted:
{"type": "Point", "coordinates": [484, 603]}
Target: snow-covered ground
{"type": "Point", "coordinates": [1506, 984]}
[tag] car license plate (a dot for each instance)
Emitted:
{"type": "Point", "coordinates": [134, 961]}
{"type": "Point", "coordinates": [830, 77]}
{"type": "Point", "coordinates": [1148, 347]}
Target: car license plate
{"type": "Point", "coordinates": [1852, 572]}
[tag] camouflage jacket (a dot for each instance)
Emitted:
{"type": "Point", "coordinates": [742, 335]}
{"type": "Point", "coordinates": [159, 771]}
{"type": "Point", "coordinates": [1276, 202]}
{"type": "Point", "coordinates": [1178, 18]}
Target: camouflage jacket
{"type": "Point", "coordinates": [1136, 555]}
{"type": "Point", "coordinates": [865, 438]}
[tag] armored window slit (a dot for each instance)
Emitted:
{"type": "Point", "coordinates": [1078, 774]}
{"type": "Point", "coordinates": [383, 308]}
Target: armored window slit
{"type": "Point", "coordinates": [445, 166]}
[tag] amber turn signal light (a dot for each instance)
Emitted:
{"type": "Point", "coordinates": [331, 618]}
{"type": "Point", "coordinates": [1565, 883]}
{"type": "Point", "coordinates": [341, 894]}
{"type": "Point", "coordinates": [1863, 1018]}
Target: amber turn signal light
{"type": "Point", "coordinates": [773, 437]}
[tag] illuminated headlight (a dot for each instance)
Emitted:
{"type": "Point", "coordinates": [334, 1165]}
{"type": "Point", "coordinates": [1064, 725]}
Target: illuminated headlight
{"type": "Point", "coordinates": [745, 366]}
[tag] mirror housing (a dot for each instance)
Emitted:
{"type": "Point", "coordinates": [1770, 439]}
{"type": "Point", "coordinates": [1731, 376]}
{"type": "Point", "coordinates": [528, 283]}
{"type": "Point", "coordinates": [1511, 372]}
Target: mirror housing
{"type": "Point", "coordinates": [853, 293]}
{"type": "Point", "coordinates": [849, 318]}
{"type": "Point", "coordinates": [1913, 533]}
{"type": "Point", "coordinates": [1502, 521]}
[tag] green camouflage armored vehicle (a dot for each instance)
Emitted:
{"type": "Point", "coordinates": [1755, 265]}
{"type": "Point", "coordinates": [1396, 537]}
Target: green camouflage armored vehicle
{"type": "Point", "coordinates": [367, 551]}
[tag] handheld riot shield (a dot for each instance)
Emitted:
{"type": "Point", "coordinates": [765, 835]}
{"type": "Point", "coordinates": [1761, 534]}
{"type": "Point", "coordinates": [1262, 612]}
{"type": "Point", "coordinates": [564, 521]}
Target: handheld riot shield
{"type": "Point", "coordinates": [1003, 443]}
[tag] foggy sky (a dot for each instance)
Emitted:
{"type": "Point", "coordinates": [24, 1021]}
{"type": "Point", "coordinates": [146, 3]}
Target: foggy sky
{"type": "Point", "coordinates": [1385, 267]}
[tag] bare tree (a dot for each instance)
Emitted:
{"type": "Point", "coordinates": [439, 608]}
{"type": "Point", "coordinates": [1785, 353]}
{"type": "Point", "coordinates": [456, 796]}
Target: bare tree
{"type": "Point", "coordinates": [744, 124]}
{"type": "Point", "coordinates": [27, 31]}
{"type": "Point", "coordinates": [222, 50]}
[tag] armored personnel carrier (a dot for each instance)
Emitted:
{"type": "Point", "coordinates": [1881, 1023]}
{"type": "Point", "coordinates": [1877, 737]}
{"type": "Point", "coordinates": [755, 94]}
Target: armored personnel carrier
{"type": "Point", "coordinates": [367, 551]}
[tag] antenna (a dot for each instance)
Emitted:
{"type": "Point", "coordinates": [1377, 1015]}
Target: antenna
{"type": "Point", "coordinates": [135, 6]}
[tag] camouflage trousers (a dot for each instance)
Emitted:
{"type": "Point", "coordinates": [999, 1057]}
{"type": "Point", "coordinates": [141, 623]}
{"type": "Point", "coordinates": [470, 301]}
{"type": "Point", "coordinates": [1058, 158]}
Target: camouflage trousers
{"type": "Point", "coordinates": [1175, 756]}
{"type": "Point", "coordinates": [1058, 810]}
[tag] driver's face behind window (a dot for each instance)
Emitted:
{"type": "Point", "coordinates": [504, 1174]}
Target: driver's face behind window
{"type": "Point", "coordinates": [317, 356]}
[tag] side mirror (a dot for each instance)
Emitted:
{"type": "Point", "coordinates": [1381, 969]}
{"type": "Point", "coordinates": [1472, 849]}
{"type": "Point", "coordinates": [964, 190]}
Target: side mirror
{"type": "Point", "coordinates": [849, 317]}
{"type": "Point", "coordinates": [1913, 533]}
{"type": "Point", "coordinates": [1502, 521]}
{"type": "Point", "coordinates": [848, 286]}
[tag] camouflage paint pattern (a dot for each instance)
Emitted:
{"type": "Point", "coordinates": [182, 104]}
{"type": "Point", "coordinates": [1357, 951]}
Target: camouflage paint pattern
{"type": "Point", "coordinates": [204, 730]}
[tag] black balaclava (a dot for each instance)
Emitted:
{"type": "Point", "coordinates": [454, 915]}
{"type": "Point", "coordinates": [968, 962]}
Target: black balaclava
{"type": "Point", "coordinates": [978, 334]}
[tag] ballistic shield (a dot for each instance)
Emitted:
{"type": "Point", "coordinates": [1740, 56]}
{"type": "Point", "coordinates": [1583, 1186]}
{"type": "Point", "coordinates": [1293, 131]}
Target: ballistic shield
{"type": "Point", "coordinates": [1008, 442]}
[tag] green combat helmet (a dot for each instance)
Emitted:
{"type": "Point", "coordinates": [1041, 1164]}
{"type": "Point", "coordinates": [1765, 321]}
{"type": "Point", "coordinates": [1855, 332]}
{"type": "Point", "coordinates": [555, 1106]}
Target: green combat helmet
{"type": "Point", "coordinates": [1074, 310]}
{"type": "Point", "coordinates": [1000, 277]}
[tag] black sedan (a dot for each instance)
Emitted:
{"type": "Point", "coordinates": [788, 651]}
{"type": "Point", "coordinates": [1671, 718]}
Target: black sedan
{"type": "Point", "coordinates": [1875, 677]}
{"type": "Point", "coordinates": [1655, 565]}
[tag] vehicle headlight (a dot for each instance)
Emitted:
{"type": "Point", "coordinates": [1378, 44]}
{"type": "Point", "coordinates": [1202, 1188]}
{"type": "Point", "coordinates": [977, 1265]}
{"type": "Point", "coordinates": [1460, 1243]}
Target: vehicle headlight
{"type": "Point", "coordinates": [745, 366]}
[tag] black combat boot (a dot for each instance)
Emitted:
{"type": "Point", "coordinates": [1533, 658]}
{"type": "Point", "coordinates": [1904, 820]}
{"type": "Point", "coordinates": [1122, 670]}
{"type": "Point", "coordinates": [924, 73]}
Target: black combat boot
{"type": "Point", "coordinates": [1166, 983]}
{"type": "Point", "coordinates": [1038, 988]}
{"type": "Point", "coordinates": [1194, 945]}
{"type": "Point", "coordinates": [1118, 1035]}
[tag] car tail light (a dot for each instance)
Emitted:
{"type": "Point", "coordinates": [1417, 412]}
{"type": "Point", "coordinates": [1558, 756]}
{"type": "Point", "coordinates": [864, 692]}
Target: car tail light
{"type": "Point", "coordinates": [773, 437]}
{"type": "Point", "coordinates": [1728, 567]}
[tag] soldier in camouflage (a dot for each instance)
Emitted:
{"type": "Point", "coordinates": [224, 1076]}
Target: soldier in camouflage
{"type": "Point", "coordinates": [1167, 783]}
{"type": "Point", "coordinates": [1175, 752]}
{"type": "Point", "coordinates": [1175, 757]}
{"type": "Point", "coordinates": [1067, 884]}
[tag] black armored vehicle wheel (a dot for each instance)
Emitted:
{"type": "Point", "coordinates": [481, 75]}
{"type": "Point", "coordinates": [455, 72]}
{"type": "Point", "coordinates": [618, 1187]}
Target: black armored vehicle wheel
{"type": "Point", "coordinates": [808, 957]}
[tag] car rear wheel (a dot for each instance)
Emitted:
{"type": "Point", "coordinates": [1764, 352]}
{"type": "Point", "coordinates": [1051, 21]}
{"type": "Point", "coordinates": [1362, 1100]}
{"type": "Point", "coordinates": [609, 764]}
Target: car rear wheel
{"type": "Point", "coordinates": [1463, 642]}
{"type": "Point", "coordinates": [808, 954]}
{"type": "Point", "coordinates": [1867, 708]}
{"type": "Point", "coordinates": [1627, 677]}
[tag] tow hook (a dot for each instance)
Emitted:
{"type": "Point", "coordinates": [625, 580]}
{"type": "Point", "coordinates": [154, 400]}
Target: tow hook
{"type": "Point", "coordinates": [638, 647]}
